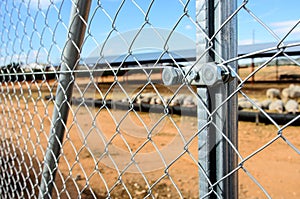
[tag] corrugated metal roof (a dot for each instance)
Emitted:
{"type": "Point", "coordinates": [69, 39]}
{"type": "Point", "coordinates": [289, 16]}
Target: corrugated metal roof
{"type": "Point", "coordinates": [247, 51]}
{"type": "Point", "coordinates": [269, 49]}
{"type": "Point", "coordinates": [143, 58]}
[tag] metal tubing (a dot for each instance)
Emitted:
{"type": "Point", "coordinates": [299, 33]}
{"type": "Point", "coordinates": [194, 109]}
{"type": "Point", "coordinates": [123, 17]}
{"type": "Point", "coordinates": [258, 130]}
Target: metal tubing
{"type": "Point", "coordinates": [203, 142]}
{"type": "Point", "coordinates": [228, 50]}
{"type": "Point", "coordinates": [216, 157]}
{"type": "Point", "coordinates": [70, 59]}
{"type": "Point", "coordinates": [203, 138]}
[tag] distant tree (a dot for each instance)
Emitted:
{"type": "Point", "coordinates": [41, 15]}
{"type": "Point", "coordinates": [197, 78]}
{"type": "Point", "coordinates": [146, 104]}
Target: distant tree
{"type": "Point", "coordinates": [12, 68]}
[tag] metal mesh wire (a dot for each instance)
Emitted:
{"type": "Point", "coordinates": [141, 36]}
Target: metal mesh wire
{"type": "Point", "coordinates": [125, 133]}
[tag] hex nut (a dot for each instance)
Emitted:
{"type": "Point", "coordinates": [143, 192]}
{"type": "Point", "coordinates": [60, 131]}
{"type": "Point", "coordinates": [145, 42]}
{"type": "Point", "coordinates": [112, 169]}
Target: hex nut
{"type": "Point", "coordinates": [171, 76]}
{"type": "Point", "coordinates": [211, 74]}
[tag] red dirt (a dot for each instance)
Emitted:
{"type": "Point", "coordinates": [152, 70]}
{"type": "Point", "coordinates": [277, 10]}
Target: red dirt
{"type": "Point", "coordinates": [83, 171]}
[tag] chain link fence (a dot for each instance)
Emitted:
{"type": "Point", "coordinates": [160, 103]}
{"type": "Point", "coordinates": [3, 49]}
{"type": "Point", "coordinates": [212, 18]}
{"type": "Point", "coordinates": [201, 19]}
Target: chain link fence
{"type": "Point", "coordinates": [141, 99]}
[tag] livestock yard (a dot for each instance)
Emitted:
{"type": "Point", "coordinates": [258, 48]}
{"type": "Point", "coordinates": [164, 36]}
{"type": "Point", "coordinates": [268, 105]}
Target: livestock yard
{"type": "Point", "coordinates": [141, 99]}
{"type": "Point", "coordinates": [278, 161]}
{"type": "Point", "coordinates": [276, 167]}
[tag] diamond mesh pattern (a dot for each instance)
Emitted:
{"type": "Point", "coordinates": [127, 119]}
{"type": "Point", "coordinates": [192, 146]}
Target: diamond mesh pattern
{"type": "Point", "coordinates": [126, 133]}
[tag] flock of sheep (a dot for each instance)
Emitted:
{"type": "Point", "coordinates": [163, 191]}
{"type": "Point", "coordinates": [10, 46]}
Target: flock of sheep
{"type": "Point", "coordinates": [178, 100]}
{"type": "Point", "coordinates": [284, 101]}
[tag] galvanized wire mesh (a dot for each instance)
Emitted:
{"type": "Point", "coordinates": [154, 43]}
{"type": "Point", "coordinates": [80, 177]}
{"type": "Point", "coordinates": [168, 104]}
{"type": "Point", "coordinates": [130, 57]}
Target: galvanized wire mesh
{"type": "Point", "coordinates": [85, 113]}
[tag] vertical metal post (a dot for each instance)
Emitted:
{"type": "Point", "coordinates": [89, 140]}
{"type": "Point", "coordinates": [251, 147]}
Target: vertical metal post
{"type": "Point", "coordinates": [216, 158]}
{"type": "Point", "coordinates": [203, 138]}
{"type": "Point", "coordinates": [277, 69]}
{"type": "Point", "coordinates": [70, 58]}
{"type": "Point", "coordinates": [252, 70]}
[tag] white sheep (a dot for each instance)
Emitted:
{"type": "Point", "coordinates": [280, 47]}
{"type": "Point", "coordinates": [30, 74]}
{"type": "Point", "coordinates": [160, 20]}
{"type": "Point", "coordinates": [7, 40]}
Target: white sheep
{"type": "Point", "coordinates": [276, 105]}
{"type": "Point", "coordinates": [273, 93]}
{"type": "Point", "coordinates": [292, 92]}
{"type": "Point", "coordinates": [265, 104]}
{"type": "Point", "coordinates": [155, 100]}
{"type": "Point", "coordinates": [291, 106]}
{"type": "Point", "coordinates": [178, 100]}
{"type": "Point", "coordinates": [158, 100]}
{"type": "Point", "coordinates": [256, 104]}
{"type": "Point", "coordinates": [285, 93]}
{"type": "Point", "coordinates": [244, 104]}
{"type": "Point", "coordinates": [145, 98]}
{"type": "Point", "coordinates": [188, 101]}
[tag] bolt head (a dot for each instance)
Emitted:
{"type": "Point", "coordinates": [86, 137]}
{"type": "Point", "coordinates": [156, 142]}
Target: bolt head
{"type": "Point", "coordinates": [171, 76]}
{"type": "Point", "coordinates": [211, 74]}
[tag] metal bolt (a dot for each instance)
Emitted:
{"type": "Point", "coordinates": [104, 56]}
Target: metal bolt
{"type": "Point", "coordinates": [171, 76]}
{"type": "Point", "coordinates": [208, 74]}
{"type": "Point", "coordinates": [211, 74]}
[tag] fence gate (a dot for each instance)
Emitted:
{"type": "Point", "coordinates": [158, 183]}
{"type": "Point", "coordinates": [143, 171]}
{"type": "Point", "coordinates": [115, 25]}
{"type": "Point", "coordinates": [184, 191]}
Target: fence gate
{"type": "Point", "coordinates": [139, 99]}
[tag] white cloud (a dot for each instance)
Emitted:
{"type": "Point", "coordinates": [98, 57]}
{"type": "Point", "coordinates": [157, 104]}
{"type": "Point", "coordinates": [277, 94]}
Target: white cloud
{"type": "Point", "coordinates": [246, 41]}
{"type": "Point", "coordinates": [283, 27]}
{"type": "Point", "coordinates": [32, 56]}
{"type": "Point", "coordinates": [284, 23]}
{"type": "Point", "coordinates": [188, 27]}
{"type": "Point", "coordinates": [249, 41]}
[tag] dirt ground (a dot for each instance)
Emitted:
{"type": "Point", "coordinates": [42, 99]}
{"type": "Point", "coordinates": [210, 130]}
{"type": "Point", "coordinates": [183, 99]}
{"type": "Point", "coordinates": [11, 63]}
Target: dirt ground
{"type": "Point", "coordinates": [88, 169]}
{"type": "Point", "coordinates": [270, 73]}
{"type": "Point", "coordinates": [276, 167]}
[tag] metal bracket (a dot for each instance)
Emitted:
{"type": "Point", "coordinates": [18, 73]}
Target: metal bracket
{"type": "Point", "coordinates": [208, 74]}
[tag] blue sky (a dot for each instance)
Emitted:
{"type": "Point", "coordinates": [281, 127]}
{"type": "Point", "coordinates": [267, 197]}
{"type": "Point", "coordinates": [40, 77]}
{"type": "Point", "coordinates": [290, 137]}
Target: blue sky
{"type": "Point", "coordinates": [27, 41]}
{"type": "Point", "coordinates": [279, 15]}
